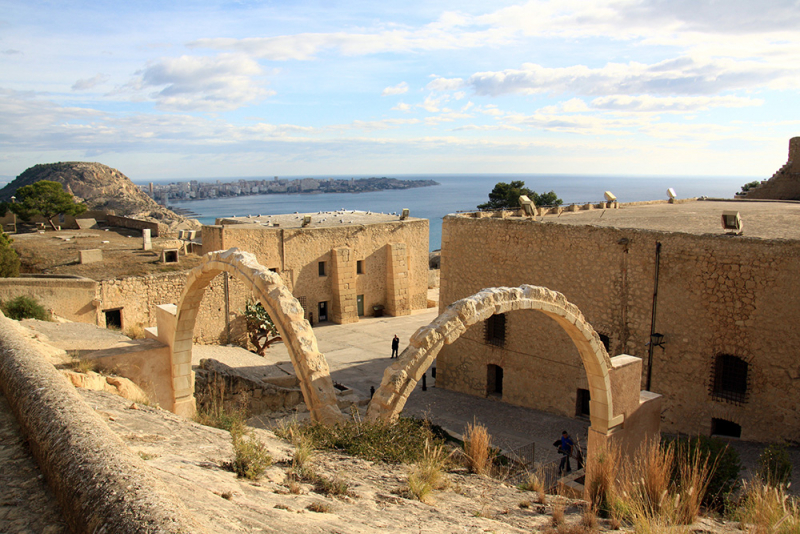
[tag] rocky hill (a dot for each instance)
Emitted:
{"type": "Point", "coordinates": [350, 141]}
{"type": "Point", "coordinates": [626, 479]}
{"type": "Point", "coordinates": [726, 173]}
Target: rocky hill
{"type": "Point", "coordinates": [101, 188]}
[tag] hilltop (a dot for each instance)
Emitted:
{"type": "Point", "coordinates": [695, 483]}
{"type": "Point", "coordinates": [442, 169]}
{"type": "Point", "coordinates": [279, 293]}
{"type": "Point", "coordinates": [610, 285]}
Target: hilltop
{"type": "Point", "coordinates": [101, 188]}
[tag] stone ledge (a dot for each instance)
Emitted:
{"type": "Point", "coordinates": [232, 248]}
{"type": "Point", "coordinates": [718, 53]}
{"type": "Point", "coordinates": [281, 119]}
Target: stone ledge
{"type": "Point", "coordinates": [84, 462]}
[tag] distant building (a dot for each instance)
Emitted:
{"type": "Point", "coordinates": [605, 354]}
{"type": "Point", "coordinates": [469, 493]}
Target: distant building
{"type": "Point", "coordinates": [340, 265]}
{"type": "Point", "coordinates": [726, 306]}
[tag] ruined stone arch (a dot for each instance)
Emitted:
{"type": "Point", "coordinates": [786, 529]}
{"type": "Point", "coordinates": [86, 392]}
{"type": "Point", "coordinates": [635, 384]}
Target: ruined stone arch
{"type": "Point", "coordinates": [310, 365]}
{"type": "Point", "coordinates": [400, 379]}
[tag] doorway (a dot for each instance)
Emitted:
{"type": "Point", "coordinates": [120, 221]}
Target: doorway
{"type": "Point", "coordinates": [494, 380]}
{"type": "Point", "coordinates": [360, 303]}
{"type": "Point", "coordinates": [113, 318]}
{"type": "Point", "coordinates": [323, 311]}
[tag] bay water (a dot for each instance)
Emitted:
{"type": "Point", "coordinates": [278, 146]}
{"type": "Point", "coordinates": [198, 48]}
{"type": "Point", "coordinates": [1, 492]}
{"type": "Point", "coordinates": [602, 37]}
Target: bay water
{"type": "Point", "coordinates": [459, 192]}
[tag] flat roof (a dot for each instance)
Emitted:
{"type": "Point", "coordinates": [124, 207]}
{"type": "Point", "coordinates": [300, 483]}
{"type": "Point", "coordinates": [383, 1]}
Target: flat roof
{"type": "Point", "coordinates": [761, 219]}
{"type": "Point", "coordinates": [320, 219]}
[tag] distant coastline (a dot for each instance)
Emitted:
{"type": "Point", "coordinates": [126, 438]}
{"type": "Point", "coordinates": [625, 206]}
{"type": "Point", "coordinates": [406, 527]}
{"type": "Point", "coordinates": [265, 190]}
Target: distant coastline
{"type": "Point", "coordinates": [197, 190]}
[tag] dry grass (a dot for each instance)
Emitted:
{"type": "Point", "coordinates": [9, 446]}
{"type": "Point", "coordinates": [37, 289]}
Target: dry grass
{"type": "Point", "coordinates": [214, 413]}
{"type": "Point", "coordinates": [535, 483]}
{"type": "Point", "coordinates": [478, 448]}
{"type": "Point", "coordinates": [82, 365]}
{"type": "Point", "coordinates": [558, 515]}
{"type": "Point", "coordinates": [429, 473]}
{"type": "Point", "coordinates": [319, 507]}
{"type": "Point", "coordinates": [135, 331]}
{"type": "Point", "coordinates": [767, 509]}
{"type": "Point", "coordinates": [589, 518]}
{"type": "Point", "coordinates": [603, 486]}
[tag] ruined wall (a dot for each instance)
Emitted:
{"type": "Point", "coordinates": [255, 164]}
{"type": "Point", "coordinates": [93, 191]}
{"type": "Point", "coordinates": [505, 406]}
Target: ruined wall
{"type": "Point", "coordinates": [70, 298]}
{"type": "Point", "coordinates": [785, 183]}
{"type": "Point", "coordinates": [295, 253]}
{"type": "Point", "coordinates": [716, 295]}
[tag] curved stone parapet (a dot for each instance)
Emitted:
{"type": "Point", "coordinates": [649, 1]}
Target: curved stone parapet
{"type": "Point", "coordinates": [401, 377]}
{"type": "Point", "coordinates": [310, 365]}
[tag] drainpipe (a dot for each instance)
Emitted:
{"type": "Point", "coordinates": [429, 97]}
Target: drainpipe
{"type": "Point", "coordinates": [653, 320]}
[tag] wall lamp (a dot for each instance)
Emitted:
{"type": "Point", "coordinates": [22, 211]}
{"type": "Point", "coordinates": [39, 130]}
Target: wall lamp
{"type": "Point", "coordinates": [657, 340]}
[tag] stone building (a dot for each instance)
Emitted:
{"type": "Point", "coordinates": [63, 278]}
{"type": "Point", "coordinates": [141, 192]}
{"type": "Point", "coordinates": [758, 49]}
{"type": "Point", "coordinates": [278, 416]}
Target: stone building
{"type": "Point", "coordinates": [713, 315]}
{"type": "Point", "coordinates": [340, 265]}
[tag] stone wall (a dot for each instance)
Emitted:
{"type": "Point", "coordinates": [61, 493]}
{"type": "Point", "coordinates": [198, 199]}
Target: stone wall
{"type": "Point", "coordinates": [70, 298]}
{"type": "Point", "coordinates": [296, 254]}
{"type": "Point", "coordinates": [785, 183]}
{"type": "Point", "coordinates": [137, 224]}
{"type": "Point", "coordinates": [716, 295]}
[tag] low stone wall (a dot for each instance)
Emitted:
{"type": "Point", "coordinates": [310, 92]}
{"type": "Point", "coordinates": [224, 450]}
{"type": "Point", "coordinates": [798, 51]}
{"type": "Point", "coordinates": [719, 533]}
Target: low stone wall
{"type": "Point", "coordinates": [70, 298]}
{"type": "Point", "coordinates": [215, 380]}
{"type": "Point", "coordinates": [100, 484]}
{"type": "Point", "coordinates": [137, 224]}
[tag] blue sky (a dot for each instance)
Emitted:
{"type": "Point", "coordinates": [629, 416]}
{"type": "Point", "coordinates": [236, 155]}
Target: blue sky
{"type": "Point", "coordinates": [166, 90]}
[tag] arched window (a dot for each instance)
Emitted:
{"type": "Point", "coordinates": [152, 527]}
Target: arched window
{"type": "Point", "coordinates": [729, 382]}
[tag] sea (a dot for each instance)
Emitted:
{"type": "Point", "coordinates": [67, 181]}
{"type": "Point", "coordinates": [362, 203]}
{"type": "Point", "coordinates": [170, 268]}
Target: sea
{"type": "Point", "coordinates": [459, 192]}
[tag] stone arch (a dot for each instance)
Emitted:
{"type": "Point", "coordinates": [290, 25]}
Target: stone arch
{"type": "Point", "coordinates": [400, 379]}
{"type": "Point", "coordinates": [310, 365]}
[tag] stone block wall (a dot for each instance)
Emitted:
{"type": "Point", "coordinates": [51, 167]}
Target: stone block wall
{"type": "Point", "coordinates": [785, 183]}
{"type": "Point", "coordinates": [70, 298]}
{"type": "Point", "coordinates": [717, 295]}
{"type": "Point", "coordinates": [296, 254]}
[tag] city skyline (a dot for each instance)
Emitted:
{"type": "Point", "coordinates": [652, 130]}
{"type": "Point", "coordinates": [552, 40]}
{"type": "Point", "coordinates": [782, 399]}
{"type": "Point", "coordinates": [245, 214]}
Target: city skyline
{"type": "Point", "coordinates": [236, 89]}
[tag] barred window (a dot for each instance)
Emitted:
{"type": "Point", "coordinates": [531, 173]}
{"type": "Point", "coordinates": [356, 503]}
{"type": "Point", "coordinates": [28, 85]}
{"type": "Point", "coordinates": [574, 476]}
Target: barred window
{"type": "Point", "coordinates": [730, 379]}
{"type": "Point", "coordinates": [302, 301]}
{"type": "Point", "coordinates": [495, 329]}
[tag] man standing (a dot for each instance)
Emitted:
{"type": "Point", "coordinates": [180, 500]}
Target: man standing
{"type": "Point", "coordinates": [565, 450]}
{"type": "Point", "coordinates": [395, 346]}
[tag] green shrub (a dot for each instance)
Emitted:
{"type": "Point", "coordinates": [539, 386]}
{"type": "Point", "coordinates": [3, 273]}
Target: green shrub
{"type": "Point", "coordinates": [722, 460]}
{"type": "Point", "coordinates": [251, 457]}
{"type": "Point", "coordinates": [23, 307]}
{"type": "Point", "coordinates": [774, 465]}
{"type": "Point", "coordinates": [401, 441]}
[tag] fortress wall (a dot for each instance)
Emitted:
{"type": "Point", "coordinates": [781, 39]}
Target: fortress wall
{"type": "Point", "coordinates": [136, 224]}
{"type": "Point", "coordinates": [68, 298]}
{"type": "Point", "coordinates": [83, 461]}
{"type": "Point", "coordinates": [295, 253]}
{"type": "Point", "coordinates": [717, 295]}
{"type": "Point", "coordinates": [785, 183]}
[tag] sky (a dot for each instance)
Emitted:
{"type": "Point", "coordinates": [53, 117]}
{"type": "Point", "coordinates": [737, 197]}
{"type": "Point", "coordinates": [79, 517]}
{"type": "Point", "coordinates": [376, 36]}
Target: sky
{"type": "Point", "coordinates": [168, 90]}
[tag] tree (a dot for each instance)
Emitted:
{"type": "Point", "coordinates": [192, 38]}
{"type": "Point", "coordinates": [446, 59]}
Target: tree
{"type": "Point", "coordinates": [506, 196]}
{"type": "Point", "coordinates": [260, 328]}
{"type": "Point", "coordinates": [750, 185]}
{"type": "Point", "coordinates": [9, 260]}
{"type": "Point", "coordinates": [47, 199]}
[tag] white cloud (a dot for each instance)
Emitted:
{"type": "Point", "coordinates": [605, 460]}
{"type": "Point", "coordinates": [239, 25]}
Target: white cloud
{"type": "Point", "coordinates": [678, 76]}
{"type": "Point", "coordinates": [432, 104]}
{"type": "Point", "coordinates": [671, 104]}
{"type": "Point", "coordinates": [402, 107]}
{"type": "Point", "coordinates": [191, 83]}
{"type": "Point", "coordinates": [85, 84]}
{"type": "Point", "coordinates": [445, 84]}
{"type": "Point", "coordinates": [380, 125]}
{"type": "Point", "coordinates": [398, 89]}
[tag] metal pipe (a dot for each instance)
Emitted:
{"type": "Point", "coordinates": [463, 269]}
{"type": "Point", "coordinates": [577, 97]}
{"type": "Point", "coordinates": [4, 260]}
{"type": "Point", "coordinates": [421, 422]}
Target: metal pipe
{"type": "Point", "coordinates": [653, 319]}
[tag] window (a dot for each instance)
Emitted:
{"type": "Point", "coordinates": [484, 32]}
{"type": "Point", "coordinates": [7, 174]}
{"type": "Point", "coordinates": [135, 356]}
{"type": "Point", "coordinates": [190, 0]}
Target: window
{"type": "Point", "coordinates": [582, 403]}
{"type": "Point", "coordinates": [606, 341]}
{"type": "Point", "coordinates": [302, 301]}
{"type": "Point", "coordinates": [729, 382]}
{"type": "Point", "coordinates": [494, 380]}
{"type": "Point", "coordinates": [273, 269]}
{"type": "Point", "coordinates": [360, 267]}
{"type": "Point", "coordinates": [496, 329]}
{"type": "Point", "coordinates": [322, 268]}
{"type": "Point", "coordinates": [729, 429]}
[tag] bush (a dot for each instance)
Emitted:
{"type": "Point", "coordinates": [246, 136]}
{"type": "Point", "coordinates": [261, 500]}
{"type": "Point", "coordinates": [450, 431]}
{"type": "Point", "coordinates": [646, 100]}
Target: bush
{"type": "Point", "coordinates": [401, 441]}
{"type": "Point", "coordinates": [774, 465]}
{"type": "Point", "coordinates": [24, 307]}
{"type": "Point", "coordinates": [250, 458]}
{"type": "Point", "coordinates": [768, 509]}
{"type": "Point", "coordinates": [723, 461]}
